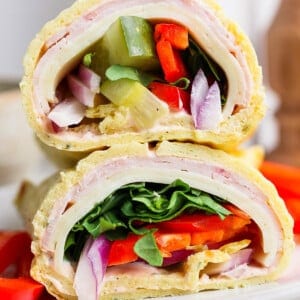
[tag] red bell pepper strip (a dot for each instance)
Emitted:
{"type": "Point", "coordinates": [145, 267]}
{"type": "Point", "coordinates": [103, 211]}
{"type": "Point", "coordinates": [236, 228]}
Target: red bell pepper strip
{"type": "Point", "coordinates": [170, 61]}
{"type": "Point", "coordinates": [237, 212]}
{"type": "Point", "coordinates": [287, 181]}
{"type": "Point", "coordinates": [201, 238]}
{"type": "Point", "coordinates": [177, 35]}
{"type": "Point", "coordinates": [181, 232]}
{"type": "Point", "coordinates": [121, 251]}
{"type": "Point", "coordinates": [198, 222]}
{"type": "Point", "coordinates": [170, 242]}
{"type": "Point", "coordinates": [174, 96]}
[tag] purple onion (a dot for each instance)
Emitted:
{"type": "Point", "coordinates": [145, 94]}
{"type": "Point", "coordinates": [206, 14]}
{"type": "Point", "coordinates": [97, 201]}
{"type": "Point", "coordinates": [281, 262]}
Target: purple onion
{"type": "Point", "coordinates": [81, 92]}
{"type": "Point", "coordinates": [236, 259]}
{"type": "Point", "coordinates": [91, 268]}
{"type": "Point", "coordinates": [68, 112]}
{"type": "Point", "coordinates": [177, 256]}
{"type": "Point", "coordinates": [206, 108]}
{"type": "Point", "coordinates": [89, 78]}
{"type": "Point", "coordinates": [198, 93]}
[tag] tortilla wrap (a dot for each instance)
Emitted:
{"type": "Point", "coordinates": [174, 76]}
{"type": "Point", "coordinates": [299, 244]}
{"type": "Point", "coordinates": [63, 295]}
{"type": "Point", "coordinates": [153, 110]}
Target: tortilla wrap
{"type": "Point", "coordinates": [71, 195]}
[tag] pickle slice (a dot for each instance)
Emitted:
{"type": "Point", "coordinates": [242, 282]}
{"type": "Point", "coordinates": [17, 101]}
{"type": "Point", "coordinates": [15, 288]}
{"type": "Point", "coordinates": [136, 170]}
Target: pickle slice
{"type": "Point", "coordinates": [144, 106]}
{"type": "Point", "coordinates": [129, 42]}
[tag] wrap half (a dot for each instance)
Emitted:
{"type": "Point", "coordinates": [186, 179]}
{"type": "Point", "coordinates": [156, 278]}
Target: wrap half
{"type": "Point", "coordinates": [134, 222]}
{"type": "Point", "coordinates": [106, 72]}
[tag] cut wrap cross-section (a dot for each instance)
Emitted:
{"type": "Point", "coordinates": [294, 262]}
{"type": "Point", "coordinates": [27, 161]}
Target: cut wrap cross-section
{"type": "Point", "coordinates": [62, 43]}
{"type": "Point", "coordinates": [254, 256]}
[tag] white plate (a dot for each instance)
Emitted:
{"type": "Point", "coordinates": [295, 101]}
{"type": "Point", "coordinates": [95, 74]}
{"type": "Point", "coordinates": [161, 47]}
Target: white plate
{"type": "Point", "coordinates": [21, 158]}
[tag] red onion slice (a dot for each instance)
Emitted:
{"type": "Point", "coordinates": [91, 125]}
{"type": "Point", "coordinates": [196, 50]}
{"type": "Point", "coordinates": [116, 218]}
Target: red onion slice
{"type": "Point", "coordinates": [85, 283]}
{"type": "Point", "coordinates": [68, 112]}
{"type": "Point", "coordinates": [198, 93]}
{"type": "Point", "coordinates": [91, 268]}
{"type": "Point", "coordinates": [98, 256]}
{"type": "Point", "coordinates": [206, 105]}
{"type": "Point", "coordinates": [81, 92]}
{"type": "Point", "coordinates": [239, 258]}
{"type": "Point", "coordinates": [89, 78]}
{"type": "Point", "coordinates": [177, 256]}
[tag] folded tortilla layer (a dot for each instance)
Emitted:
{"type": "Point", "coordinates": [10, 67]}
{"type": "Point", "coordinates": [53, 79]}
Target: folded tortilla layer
{"type": "Point", "coordinates": [74, 193]}
{"type": "Point", "coordinates": [62, 42]}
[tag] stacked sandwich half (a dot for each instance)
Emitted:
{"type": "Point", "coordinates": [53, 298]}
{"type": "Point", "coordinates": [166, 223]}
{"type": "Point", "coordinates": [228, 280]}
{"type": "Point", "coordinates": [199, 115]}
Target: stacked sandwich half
{"type": "Point", "coordinates": [156, 95]}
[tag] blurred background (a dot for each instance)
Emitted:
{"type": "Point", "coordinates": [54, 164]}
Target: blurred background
{"type": "Point", "coordinates": [272, 25]}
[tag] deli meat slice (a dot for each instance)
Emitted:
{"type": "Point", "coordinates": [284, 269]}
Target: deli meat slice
{"type": "Point", "coordinates": [257, 253]}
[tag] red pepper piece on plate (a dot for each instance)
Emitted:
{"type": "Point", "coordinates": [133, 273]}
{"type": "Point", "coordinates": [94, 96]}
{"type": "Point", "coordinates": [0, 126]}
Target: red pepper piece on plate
{"type": "Point", "coordinates": [176, 34]}
{"type": "Point", "coordinates": [287, 181]}
{"type": "Point", "coordinates": [293, 206]}
{"type": "Point", "coordinates": [285, 178]}
{"type": "Point", "coordinates": [13, 245]}
{"type": "Point", "coordinates": [15, 261]}
{"type": "Point", "coordinates": [20, 289]}
{"type": "Point", "coordinates": [174, 96]}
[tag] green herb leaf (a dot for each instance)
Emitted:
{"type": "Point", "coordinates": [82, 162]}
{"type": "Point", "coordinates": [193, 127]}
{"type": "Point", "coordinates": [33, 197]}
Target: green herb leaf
{"type": "Point", "coordinates": [87, 59]}
{"type": "Point", "coordinates": [116, 72]}
{"type": "Point", "coordinates": [147, 249]}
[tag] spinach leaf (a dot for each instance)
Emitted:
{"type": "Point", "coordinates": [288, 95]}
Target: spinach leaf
{"type": "Point", "coordinates": [197, 59]}
{"type": "Point", "coordinates": [147, 249]}
{"type": "Point", "coordinates": [74, 244]}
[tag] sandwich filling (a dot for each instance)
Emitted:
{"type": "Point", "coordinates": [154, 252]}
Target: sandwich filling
{"type": "Point", "coordinates": [141, 69]}
{"type": "Point", "coordinates": [148, 224]}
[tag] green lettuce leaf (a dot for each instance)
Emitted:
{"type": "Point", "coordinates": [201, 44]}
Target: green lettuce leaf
{"type": "Point", "coordinates": [116, 72]}
{"type": "Point", "coordinates": [124, 211]}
